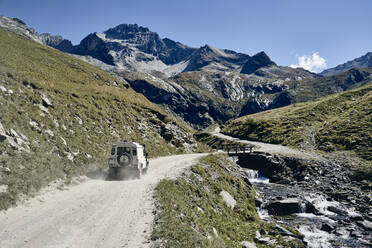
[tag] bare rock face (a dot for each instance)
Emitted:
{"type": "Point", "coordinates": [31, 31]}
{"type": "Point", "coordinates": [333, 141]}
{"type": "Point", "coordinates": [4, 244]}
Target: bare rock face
{"type": "Point", "coordinates": [17, 140]}
{"type": "Point", "coordinates": [202, 98]}
{"type": "Point", "coordinates": [57, 42]}
{"type": "Point", "coordinates": [142, 39]}
{"type": "Point", "coordinates": [171, 133]}
{"type": "Point", "coordinates": [211, 58]}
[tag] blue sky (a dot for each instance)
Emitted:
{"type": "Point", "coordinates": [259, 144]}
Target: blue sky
{"type": "Point", "coordinates": [333, 30]}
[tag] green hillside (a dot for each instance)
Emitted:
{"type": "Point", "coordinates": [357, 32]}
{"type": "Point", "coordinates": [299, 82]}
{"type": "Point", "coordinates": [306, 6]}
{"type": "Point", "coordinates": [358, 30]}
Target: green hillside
{"type": "Point", "coordinates": [58, 115]}
{"type": "Point", "coordinates": [337, 122]}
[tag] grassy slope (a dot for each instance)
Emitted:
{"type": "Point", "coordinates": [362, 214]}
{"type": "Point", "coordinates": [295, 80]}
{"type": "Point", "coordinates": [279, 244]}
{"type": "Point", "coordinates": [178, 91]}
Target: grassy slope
{"type": "Point", "coordinates": [91, 110]}
{"type": "Point", "coordinates": [190, 207]}
{"type": "Point", "coordinates": [337, 122]}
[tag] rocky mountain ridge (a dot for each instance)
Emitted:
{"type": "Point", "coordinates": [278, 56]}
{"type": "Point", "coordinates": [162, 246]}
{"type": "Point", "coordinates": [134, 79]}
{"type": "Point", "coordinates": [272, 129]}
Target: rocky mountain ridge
{"type": "Point", "coordinates": [202, 98]}
{"type": "Point", "coordinates": [208, 84]}
{"type": "Point", "coordinates": [201, 85]}
{"type": "Point", "coordinates": [136, 48]}
{"type": "Point", "coordinates": [361, 62]}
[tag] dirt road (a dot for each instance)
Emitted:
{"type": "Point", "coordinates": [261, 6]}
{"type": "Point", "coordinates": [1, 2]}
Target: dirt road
{"type": "Point", "coordinates": [94, 213]}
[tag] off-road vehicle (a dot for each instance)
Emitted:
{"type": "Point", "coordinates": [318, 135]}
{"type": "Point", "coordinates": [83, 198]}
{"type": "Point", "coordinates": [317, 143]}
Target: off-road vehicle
{"type": "Point", "coordinates": [127, 160]}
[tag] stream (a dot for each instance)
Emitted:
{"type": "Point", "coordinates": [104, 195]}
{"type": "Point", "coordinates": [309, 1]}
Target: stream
{"type": "Point", "coordinates": [322, 221]}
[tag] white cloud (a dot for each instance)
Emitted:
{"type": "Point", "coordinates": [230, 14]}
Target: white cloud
{"type": "Point", "coordinates": [313, 63]}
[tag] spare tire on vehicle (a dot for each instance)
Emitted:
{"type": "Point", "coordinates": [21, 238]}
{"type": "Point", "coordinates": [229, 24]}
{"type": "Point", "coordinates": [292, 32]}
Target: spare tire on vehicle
{"type": "Point", "coordinates": [125, 159]}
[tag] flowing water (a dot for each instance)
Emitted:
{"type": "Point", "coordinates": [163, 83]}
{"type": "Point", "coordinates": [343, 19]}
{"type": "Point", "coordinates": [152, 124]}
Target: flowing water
{"type": "Point", "coordinates": [321, 227]}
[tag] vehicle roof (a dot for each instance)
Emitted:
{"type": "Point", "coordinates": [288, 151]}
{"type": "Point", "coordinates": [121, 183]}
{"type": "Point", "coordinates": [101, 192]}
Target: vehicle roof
{"type": "Point", "coordinates": [127, 144]}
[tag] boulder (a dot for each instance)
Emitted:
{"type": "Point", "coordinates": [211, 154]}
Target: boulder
{"type": "Point", "coordinates": [283, 231]}
{"type": "Point", "coordinates": [247, 244]}
{"type": "Point", "coordinates": [3, 89]}
{"type": "Point", "coordinates": [266, 241]}
{"type": "Point", "coordinates": [284, 207]}
{"type": "Point", "coordinates": [6, 170]}
{"type": "Point", "coordinates": [310, 208]}
{"type": "Point", "coordinates": [356, 217]}
{"type": "Point", "coordinates": [258, 201]}
{"type": "Point", "coordinates": [336, 210]}
{"type": "Point", "coordinates": [3, 188]}
{"type": "Point", "coordinates": [365, 224]}
{"type": "Point", "coordinates": [229, 200]}
{"type": "Point", "coordinates": [327, 227]}
{"type": "Point", "coordinates": [257, 235]}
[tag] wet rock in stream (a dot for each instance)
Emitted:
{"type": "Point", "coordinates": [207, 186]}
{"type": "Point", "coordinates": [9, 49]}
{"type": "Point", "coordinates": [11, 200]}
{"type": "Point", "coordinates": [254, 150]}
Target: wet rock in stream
{"type": "Point", "coordinates": [285, 207]}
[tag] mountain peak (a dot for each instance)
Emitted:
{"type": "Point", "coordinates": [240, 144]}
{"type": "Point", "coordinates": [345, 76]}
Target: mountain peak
{"type": "Point", "coordinates": [262, 55]}
{"type": "Point", "coordinates": [131, 28]}
{"type": "Point", "coordinates": [128, 31]}
{"type": "Point", "coordinates": [256, 62]}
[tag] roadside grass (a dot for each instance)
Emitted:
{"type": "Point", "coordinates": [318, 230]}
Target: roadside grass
{"type": "Point", "coordinates": [191, 212]}
{"type": "Point", "coordinates": [340, 122]}
{"type": "Point", "coordinates": [90, 110]}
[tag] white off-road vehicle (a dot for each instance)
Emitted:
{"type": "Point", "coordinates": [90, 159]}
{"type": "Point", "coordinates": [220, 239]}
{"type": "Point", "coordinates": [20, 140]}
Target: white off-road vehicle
{"type": "Point", "coordinates": [127, 160]}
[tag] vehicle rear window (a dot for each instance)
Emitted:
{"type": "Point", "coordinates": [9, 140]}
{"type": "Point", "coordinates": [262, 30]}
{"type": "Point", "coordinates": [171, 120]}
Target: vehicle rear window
{"type": "Point", "coordinates": [122, 150]}
{"type": "Point", "coordinates": [134, 152]}
{"type": "Point", "coordinates": [113, 151]}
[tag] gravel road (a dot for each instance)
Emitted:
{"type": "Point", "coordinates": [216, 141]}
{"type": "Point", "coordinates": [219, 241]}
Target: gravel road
{"type": "Point", "coordinates": [94, 213]}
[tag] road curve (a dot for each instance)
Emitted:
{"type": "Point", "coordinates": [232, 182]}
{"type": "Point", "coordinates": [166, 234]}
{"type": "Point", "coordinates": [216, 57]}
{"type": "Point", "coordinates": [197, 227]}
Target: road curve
{"type": "Point", "coordinates": [94, 213]}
